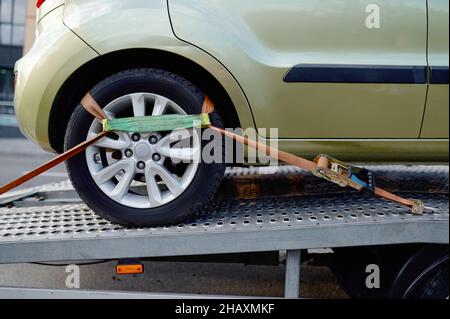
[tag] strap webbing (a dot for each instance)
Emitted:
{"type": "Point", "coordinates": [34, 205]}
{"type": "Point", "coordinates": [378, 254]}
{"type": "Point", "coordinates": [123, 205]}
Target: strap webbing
{"type": "Point", "coordinates": [159, 123]}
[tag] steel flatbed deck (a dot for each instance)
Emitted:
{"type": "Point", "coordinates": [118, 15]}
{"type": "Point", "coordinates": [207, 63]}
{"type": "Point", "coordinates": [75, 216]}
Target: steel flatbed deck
{"type": "Point", "coordinates": [282, 210]}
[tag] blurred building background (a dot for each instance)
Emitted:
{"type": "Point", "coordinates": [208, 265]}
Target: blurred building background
{"type": "Point", "coordinates": [17, 21]}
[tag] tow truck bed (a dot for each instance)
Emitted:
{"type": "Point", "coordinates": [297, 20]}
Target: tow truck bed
{"type": "Point", "coordinates": [288, 210]}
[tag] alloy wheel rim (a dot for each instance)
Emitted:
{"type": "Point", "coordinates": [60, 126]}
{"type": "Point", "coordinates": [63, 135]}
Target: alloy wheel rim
{"type": "Point", "coordinates": [143, 170]}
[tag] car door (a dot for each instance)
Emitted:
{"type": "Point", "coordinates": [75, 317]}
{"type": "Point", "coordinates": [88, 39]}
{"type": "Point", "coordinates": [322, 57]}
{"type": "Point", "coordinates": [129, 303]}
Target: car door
{"type": "Point", "coordinates": [318, 69]}
{"type": "Point", "coordinates": [435, 124]}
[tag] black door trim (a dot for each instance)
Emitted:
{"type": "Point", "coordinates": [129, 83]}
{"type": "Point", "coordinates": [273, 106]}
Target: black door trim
{"type": "Point", "coordinates": [439, 75]}
{"type": "Point", "coordinates": [333, 73]}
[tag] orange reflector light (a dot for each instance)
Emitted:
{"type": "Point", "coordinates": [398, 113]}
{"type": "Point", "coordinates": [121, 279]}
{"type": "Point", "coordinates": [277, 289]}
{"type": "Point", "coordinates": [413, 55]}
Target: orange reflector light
{"type": "Point", "coordinates": [130, 269]}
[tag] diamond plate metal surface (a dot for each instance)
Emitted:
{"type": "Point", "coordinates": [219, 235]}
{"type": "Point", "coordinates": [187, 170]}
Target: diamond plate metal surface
{"type": "Point", "coordinates": [77, 221]}
{"type": "Point", "coordinates": [289, 181]}
{"type": "Point", "coordinates": [299, 208]}
{"type": "Point", "coordinates": [240, 182]}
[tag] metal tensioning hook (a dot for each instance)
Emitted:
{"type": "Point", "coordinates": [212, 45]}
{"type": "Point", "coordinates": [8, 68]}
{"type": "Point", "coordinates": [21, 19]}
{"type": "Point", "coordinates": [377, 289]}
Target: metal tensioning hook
{"type": "Point", "coordinates": [323, 166]}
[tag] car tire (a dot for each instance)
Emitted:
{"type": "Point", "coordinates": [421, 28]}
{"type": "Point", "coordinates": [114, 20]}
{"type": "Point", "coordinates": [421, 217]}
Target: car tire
{"type": "Point", "coordinates": [413, 271]}
{"type": "Point", "coordinates": [424, 275]}
{"type": "Point", "coordinates": [201, 189]}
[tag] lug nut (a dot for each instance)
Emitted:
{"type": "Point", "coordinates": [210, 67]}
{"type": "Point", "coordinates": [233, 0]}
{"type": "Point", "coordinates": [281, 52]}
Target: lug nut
{"type": "Point", "coordinates": [135, 137]}
{"type": "Point", "coordinates": [97, 158]}
{"type": "Point", "coordinates": [156, 157]}
{"type": "Point", "coordinates": [128, 153]}
{"type": "Point", "coordinates": [153, 139]}
{"type": "Point", "coordinates": [141, 165]}
{"type": "Point", "coordinates": [117, 155]}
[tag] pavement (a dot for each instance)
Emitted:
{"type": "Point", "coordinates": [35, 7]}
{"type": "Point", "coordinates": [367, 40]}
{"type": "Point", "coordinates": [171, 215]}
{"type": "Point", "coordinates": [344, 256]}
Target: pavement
{"type": "Point", "coordinates": [17, 146]}
{"type": "Point", "coordinates": [18, 156]}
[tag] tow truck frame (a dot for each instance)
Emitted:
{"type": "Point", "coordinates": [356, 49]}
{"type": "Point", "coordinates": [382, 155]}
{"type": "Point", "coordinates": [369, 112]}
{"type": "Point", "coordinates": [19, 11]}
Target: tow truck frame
{"type": "Point", "coordinates": [283, 211]}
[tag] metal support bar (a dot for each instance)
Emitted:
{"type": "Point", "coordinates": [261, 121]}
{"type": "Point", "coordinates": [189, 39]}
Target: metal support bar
{"type": "Point", "coordinates": [39, 293]}
{"type": "Point", "coordinates": [292, 276]}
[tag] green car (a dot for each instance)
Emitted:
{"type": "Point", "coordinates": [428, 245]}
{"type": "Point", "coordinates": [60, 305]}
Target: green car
{"type": "Point", "coordinates": [360, 81]}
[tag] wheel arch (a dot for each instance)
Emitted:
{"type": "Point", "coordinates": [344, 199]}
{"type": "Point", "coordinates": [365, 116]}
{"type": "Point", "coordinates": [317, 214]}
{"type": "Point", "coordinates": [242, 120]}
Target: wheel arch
{"type": "Point", "coordinates": [94, 71]}
{"type": "Point", "coordinates": [427, 258]}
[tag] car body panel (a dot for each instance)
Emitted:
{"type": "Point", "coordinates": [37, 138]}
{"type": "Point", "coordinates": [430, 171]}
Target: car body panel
{"type": "Point", "coordinates": [46, 8]}
{"type": "Point", "coordinates": [260, 41]}
{"type": "Point", "coordinates": [148, 27]}
{"type": "Point", "coordinates": [55, 55]}
{"type": "Point", "coordinates": [372, 150]}
{"type": "Point", "coordinates": [436, 123]}
{"type": "Point", "coordinates": [92, 28]}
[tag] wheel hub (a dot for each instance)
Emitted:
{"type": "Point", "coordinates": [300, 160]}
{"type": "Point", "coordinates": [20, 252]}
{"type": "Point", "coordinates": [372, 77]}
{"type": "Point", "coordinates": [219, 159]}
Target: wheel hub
{"type": "Point", "coordinates": [143, 151]}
